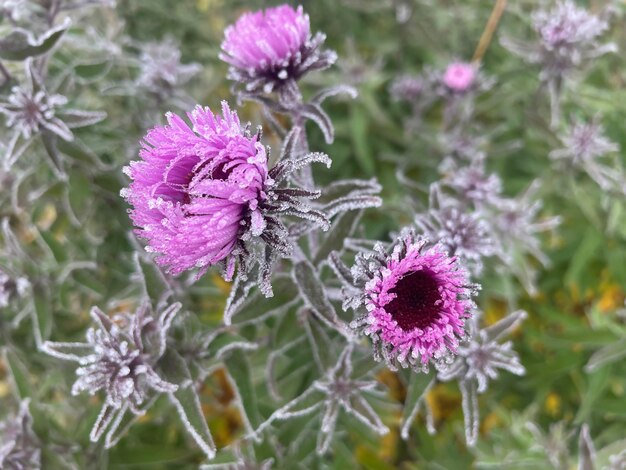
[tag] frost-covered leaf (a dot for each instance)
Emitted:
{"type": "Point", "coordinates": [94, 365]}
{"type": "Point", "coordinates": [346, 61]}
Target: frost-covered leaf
{"type": "Point", "coordinates": [469, 395]}
{"type": "Point", "coordinates": [239, 372]}
{"type": "Point", "coordinates": [312, 290]}
{"type": "Point", "coordinates": [419, 384]}
{"type": "Point", "coordinates": [316, 114]}
{"type": "Point", "coordinates": [341, 228]}
{"type": "Point", "coordinates": [20, 44]}
{"type": "Point", "coordinates": [586, 451]}
{"type": "Point", "coordinates": [187, 402]}
{"type": "Point", "coordinates": [608, 354]}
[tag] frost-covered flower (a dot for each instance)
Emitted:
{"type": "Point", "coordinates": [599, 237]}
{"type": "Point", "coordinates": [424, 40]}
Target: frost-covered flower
{"type": "Point", "coordinates": [407, 88]}
{"type": "Point", "coordinates": [473, 185]}
{"type": "Point", "coordinates": [30, 109]}
{"type": "Point", "coordinates": [462, 233]}
{"type": "Point", "coordinates": [459, 77]}
{"type": "Point", "coordinates": [19, 446]}
{"type": "Point", "coordinates": [417, 300]}
{"type": "Point", "coordinates": [11, 287]}
{"type": "Point", "coordinates": [478, 362]}
{"type": "Point", "coordinates": [584, 144]}
{"type": "Point", "coordinates": [568, 35]}
{"type": "Point", "coordinates": [119, 358]}
{"type": "Point", "coordinates": [200, 192]}
{"type": "Point", "coordinates": [160, 68]}
{"type": "Point", "coordinates": [266, 49]}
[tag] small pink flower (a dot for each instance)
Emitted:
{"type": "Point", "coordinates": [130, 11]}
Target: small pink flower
{"type": "Point", "coordinates": [417, 302]}
{"type": "Point", "coordinates": [197, 189]}
{"type": "Point", "coordinates": [459, 76]}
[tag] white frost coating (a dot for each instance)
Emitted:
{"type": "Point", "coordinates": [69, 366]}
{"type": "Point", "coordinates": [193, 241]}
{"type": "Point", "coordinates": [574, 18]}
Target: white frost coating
{"type": "Point", "coordinates": [207, 446]}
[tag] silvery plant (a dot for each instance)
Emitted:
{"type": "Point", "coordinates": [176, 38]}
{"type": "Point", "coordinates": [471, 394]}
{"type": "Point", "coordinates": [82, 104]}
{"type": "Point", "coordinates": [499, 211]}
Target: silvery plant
{"type": "Point", "coordinates": [317, 311]}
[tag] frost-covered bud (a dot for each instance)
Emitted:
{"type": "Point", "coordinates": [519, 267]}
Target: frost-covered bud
{"type": "Point", "coordinates": [568, 36]}
{"type": "Point", "coordinates": [461, 233]}
{"type": "Point", "coordinates": [200, 193]}
{"type": "Point", "coordinates": [160, 69]}
{"type": "Point", "coordinates": [268, 49]}
{"type": "Point", "coordinates": [584, 144]}
{"type": "Point", "coordinates": [407, 88]}
{"type": "Point", "coordinates": [473, 185]}
{"type": "Point", "coordinates": [11, 288]}
{"type": "Point", "coordinates": [19, 447]}
{"type": "Point", "coordinates": [29, 108]}
{"type": "Point", "coordinates": [482, 355]}
{"type": "Point", "coordinates": [417, 300]}
{"type": "Point", "coordinates": [119, 356]}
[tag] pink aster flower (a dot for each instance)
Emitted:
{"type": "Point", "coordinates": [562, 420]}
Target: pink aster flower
{"type": "Point", "coordinates": [459, 77]}
{"type": "Point", "coordinates": [200, 192]}
{"type": "Point", "coordinates": [195, 188]}
{"type": "Point", "coordinates": [269, 48]}
{"type": "Point", "coordinates": [417, 299]}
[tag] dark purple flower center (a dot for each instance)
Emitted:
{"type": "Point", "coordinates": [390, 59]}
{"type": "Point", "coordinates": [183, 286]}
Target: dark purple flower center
{"type": "Point", "coordinates": [416, 304]}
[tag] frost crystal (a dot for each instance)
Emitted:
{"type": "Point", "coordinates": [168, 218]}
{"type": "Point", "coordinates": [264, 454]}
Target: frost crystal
{"type": "Point", "coordinates": [585, 143]}
{"type": "Point", "coordinates": [417, 299]}
{"type": "Point", "coordinates": [119, 358]}
{"type": "Point", "coordinates": [269, 49]}
{"type": "Point", "coordinates": [19, 447]}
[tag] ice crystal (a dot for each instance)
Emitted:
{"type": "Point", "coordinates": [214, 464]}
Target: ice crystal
{"type": "Point", "coordinates": [119, 358]}
{"type": "Point", "coordinates": [272, 48]}
{"type": "Point", "coordinates": [417, 300]}
{"type": "Point", "coordinates": [19, 447]}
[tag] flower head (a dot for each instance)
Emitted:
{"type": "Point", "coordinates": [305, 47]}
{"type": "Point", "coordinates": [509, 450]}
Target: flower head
{"type": "Point", "coordinates": [266, 49]}
{"type": "Point", "coordinates": [459, 77]}
{"type": "Point", "coordinates": [200, 192]}
{"type": "Point", "coordinates": [195, 190]}
{"type": "Point", "coordinates": [473, 185]}
{"type": "Point", "coordinates": [19, 447]}
{"type": "Point", "coordinates": [461, 233]}
{"type": "Point", "coordinates": [30, 108]}
{"type": "Point", "coordinates": [417, 299]}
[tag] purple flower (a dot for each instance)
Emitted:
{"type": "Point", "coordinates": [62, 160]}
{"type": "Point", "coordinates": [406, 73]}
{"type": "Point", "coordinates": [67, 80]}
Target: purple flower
{"type": "Point", "coordinates": [417, 300]}
{"type": "Point", "coordinates": [267, 49]}
{"type": "Point", "coordinates": [459, 76]}
{"type": "Point", "coordinates": [195, 189]}
{"type": "Point", "coordinates": [200, 192]}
